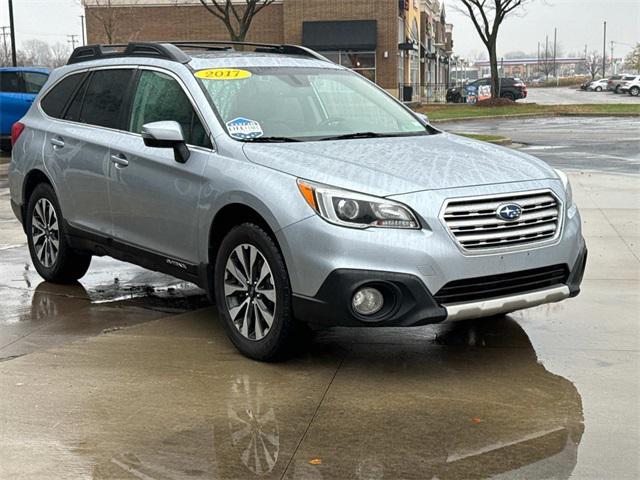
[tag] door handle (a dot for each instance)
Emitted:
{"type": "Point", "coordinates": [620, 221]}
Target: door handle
{"type": "Point", "coordinates": [119, 160]}
{"type": "Point", "coordinates": [57, 142]}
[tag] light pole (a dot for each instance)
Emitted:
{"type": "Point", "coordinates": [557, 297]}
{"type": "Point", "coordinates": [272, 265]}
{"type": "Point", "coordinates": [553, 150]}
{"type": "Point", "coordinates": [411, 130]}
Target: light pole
{"type": "Point", "coordinates": [14, 58]}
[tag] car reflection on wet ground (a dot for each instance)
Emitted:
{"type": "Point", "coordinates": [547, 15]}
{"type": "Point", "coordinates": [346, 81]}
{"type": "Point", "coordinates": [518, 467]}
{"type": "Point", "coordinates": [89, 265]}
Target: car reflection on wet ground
{"type": "Point", "coordinates": [129, 375]}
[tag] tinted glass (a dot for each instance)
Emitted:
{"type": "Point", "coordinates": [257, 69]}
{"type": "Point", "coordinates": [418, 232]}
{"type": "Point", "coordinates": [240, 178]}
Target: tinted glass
{"type": "Point", "coordinates": [10, 82]}
{"type": "Point", "coordinates": [104, 98]}
{"type": "Point", "coordinates": [54, 102]}
{"type": "Point", "coordinates": [75, 107]}
{"type": "Point", "coordinates": [33, 81]}
{"type": "Point", "coordinates": [158, 98]}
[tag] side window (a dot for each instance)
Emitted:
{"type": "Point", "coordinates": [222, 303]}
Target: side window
{"type": "Point", "coordinates": [10, 82]}
{"type": "Point", "coordinates": [33, 81]}
{"type": "Point", "coordinates": [104, 98]}
{"type": "Point", "coordinates": [158, 98]}
{"type": "Point", "coordinates": [75, 107]}
{"type": "Point", "coordinates": [54, 102]}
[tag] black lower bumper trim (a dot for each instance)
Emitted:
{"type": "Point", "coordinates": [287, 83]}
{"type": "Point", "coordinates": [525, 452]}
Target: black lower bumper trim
{"type": "Point", "coordinates": [577, 273]}
{"type": "Point", "coordinates": [407, 301]}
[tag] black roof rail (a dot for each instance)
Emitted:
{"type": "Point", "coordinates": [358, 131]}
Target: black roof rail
{"type": "Point", "coordinates": [258, 47]}
{"type": "Point", "coordinates": [174, 50]}
{"type": "Point", "coordinates": [133, 49]}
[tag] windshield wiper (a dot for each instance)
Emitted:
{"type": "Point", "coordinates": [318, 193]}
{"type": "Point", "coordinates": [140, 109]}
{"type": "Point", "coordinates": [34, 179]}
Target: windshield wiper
{"type": "Point", "coordinates": [348, 136]}
{"type": "Point", "coordinates": [272, 140]}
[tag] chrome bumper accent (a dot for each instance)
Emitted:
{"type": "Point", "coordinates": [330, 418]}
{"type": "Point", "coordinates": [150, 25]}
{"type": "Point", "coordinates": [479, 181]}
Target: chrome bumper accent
{"type": "Point", "coordinates": [507, 304]}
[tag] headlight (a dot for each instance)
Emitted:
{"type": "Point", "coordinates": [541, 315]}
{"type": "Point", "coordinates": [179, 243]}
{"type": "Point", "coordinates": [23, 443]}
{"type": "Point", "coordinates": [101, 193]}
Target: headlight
{"type": "Point", "coordinates": [355, 210]}
{"type": "Point", "coordinates": [567, 187]}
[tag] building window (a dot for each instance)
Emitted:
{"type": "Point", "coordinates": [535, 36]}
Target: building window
{"type": "Point", "coordinates": [363, 63]}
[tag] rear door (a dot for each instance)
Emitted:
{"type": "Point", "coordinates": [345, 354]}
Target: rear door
{"type": "Point", "coordinates": [154, 199]}
{"type": "Point", "coordinates": [77, 147]}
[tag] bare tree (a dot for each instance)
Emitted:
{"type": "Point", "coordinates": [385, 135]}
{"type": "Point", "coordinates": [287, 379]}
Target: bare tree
{"type": "Point", "coordinates": [593, 64]}
{"type": "Point", "coordinates": [110, 16]}
{"type": "Point", "coordinates": [237, 20]}
{"type": "Point", "coordinates": [632, 61]}
{"type": "Point", "coordinates": [35, 53]}
{"type": "Point", "coordinates": [487, 16]}
{"type": "Point", "coordinates": [59, 54]}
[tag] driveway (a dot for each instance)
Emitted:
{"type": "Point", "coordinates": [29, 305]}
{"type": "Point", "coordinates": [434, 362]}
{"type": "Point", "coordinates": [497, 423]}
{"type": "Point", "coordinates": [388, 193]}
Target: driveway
{"type": "Point", "coordinates": [129, 375]}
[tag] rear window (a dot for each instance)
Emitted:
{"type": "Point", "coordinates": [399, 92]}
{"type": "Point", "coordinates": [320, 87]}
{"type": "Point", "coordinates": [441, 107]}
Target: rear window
{"type": "Point", "coordinates": [104, 98]}
{"type": "Point", "coordinates": [34, 81]}
{"type": "Point", "coordinates": [54, 102]}
{"type": "Point", "coordinates": [10, 82]}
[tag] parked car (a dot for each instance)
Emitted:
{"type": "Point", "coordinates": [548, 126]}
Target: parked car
{"type": "Point", "coordinates": [598, 85]}
{"type": "Point", "coordinates": [586, 84]}
{"type": "Point", "coordinates": [615, 82]}
{"type": "Point", "coordinates": [511, 88]}
{"type": "Point", "coordinates": [18, 89]}
{"type": "Point", "coordinates": [631, 86]}
{"type": "Point", "coordinates": [292, 189]}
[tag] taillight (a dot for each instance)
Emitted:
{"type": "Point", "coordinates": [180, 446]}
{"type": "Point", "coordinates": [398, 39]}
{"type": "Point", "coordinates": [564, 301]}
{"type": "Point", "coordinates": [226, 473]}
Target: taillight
{"type": "Point", "coordinates": [16, 130]}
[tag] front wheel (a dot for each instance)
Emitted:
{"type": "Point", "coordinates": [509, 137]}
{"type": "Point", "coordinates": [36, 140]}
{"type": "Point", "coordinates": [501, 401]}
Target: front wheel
{"type": "Point", "coordinates": [52, 257]}
{"type": "Point", "coordinates": [598, 89]}
{"type": "Point", "coordinates": [253, 294]}
{"type": "Point", "coordinates": [635, 91]}
{"type": "Point", "coordinates": [509, 96]}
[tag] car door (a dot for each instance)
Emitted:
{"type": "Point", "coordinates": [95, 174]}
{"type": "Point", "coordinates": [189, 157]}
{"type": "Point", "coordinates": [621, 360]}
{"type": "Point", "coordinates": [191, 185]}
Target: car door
{"type": "Point", "coordinates": [77, 147]}
{"type": "Point", "coordinates": [154, 199]}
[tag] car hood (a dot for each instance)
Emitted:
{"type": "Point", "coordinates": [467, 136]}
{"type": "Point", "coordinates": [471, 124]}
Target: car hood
{"type": "Point", "coordinates": [396, 165]}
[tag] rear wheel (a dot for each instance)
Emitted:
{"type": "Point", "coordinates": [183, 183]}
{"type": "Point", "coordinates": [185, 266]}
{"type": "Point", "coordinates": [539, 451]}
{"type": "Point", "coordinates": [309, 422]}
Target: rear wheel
{"type": "Point", "coordinates": [253, 294]}
{"type": "Point", "coordinates": [52, 257]}
{"type": "Point", "coordinates": [509, 96]}
{"type": "Point", "coordinates": [635, 91]}
{"type": "Point", "coordinates": [598, 89]}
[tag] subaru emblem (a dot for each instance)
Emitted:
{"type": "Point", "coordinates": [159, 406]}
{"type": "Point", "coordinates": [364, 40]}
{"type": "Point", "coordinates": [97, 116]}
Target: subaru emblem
{"type": "Point", "coordinates": [509, 212]}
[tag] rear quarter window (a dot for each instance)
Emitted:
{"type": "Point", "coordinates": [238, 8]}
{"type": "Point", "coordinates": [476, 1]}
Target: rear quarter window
{"type": "Point", "coordinates": [54, 101]}
{"type": "Point", "coordinates": [105, 98]}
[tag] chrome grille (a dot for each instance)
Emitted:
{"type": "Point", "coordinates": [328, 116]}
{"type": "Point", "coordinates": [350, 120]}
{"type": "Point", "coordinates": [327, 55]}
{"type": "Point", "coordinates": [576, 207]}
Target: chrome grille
{"type": "Point", "coordinates": [474, 223]}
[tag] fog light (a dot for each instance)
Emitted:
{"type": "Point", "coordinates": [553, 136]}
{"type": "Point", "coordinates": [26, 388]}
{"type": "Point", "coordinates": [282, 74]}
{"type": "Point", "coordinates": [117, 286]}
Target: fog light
{"type": "Point", "coordinates": [367, 301]}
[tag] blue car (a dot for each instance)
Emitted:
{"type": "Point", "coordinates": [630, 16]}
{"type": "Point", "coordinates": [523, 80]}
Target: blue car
{"type": "Point", "coordinates": [19, 87]}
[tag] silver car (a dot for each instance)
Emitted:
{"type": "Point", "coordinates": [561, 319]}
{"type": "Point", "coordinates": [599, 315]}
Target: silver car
{"type": "Point", "coordinates": [293, 190]}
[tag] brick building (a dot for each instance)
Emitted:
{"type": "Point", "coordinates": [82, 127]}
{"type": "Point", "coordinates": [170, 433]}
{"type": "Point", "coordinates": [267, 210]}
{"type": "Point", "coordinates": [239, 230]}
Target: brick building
{"type": "Point", "coordinates": [385, 40]}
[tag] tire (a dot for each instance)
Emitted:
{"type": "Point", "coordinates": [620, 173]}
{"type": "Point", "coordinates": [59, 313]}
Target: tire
{"type": "Point", "coordinates": [247, 311]}
{"type": "Point", "coordinates": [598, 89]}
{"type": "Point", "coordinates": [617, 89]}
{"type": "Point", "coordinates": [509, 96]}
{"type": "Point", "coordinates": [51, 255]}
{"type": "Point", "coordinates": [634, 91]}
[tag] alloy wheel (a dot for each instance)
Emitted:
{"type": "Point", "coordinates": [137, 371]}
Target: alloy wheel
{"type": "Point", "coordinates": [45, 232]}
{"type": "Point", "coordinates": [250, 292]}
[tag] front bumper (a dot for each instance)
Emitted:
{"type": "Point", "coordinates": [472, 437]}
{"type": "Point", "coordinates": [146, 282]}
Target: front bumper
{"type": "Point", "coordinates": [409, 303]}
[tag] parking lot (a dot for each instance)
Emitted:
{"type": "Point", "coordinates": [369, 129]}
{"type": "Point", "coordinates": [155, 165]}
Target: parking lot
{"type": "Point", "coordinates": [129, 374]}
{"type": "Point", "coordinates": [573, 95]}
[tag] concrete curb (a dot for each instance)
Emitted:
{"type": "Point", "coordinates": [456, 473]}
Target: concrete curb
{"type": "Point", "coordinates": [535, 115]}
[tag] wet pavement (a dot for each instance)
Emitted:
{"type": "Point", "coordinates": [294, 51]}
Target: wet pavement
{"type": "Point", "coordinates": [572, 96]}
{"type": "Point", "coordinates": [129, 375]}
{"type": "Point", "coordinates": [574, 143]}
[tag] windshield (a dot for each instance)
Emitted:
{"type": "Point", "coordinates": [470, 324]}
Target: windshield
{"type": "Point", "coordinates": [298, 104]}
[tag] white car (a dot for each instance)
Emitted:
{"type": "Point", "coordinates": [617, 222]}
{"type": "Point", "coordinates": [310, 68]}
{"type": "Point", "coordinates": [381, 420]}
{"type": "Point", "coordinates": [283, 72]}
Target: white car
{"type": "Point", "coordinates": [631, 86]}
{"type": "Point", "coordinates": [598, 85]}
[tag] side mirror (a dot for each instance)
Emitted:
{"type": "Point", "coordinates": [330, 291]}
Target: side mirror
{"type": "Point", "coordinates": [423, 117]}
{"type": "Point", "coordinates": [167, 134]}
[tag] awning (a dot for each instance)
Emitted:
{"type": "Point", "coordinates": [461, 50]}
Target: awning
{"type": "Point", "coordinates": [341, 35]}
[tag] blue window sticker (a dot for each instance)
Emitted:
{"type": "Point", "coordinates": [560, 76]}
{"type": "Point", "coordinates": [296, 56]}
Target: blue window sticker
{"type": "Point", "coordinates": [243, 128]}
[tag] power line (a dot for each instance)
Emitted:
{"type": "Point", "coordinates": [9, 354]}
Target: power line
{"type": "Point", "coordinates": [73, 39]}
{"type": "Point", "coordinates": [5, 34]}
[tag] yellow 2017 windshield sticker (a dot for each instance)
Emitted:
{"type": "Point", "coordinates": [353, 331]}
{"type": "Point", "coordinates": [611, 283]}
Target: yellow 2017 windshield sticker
{"type": "Point", "coordinates": [223, 74]}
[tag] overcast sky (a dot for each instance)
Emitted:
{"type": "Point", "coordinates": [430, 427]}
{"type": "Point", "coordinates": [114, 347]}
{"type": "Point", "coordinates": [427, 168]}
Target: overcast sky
{"type": "Point", "coordinates": [579, 23]}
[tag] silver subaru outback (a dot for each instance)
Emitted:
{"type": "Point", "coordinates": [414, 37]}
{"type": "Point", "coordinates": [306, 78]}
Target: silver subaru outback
{"type": "Point", "coordinates": [293, 190]}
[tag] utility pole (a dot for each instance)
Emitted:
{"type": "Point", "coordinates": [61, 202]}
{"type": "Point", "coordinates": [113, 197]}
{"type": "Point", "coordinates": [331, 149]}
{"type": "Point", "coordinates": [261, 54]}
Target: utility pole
{"type": "Point", "coordinates": [14, 58]}
{"type": "Point", "coordinates": [5, 33]}
{"type": "Point", "coordinates": [612, 62]}
{"type": "Point", "coordinates": [73, 39]}
{"type": "Point", "coordinates": [546, 58]}
{"type": "Point", "coordinates": [604, 51]}
{"type": "Point", "coordinates": [538, 64]}
{"type": "Point", "coordinates": [555, 39]}
{"type": "Point", "coordinates": [82, 26]}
